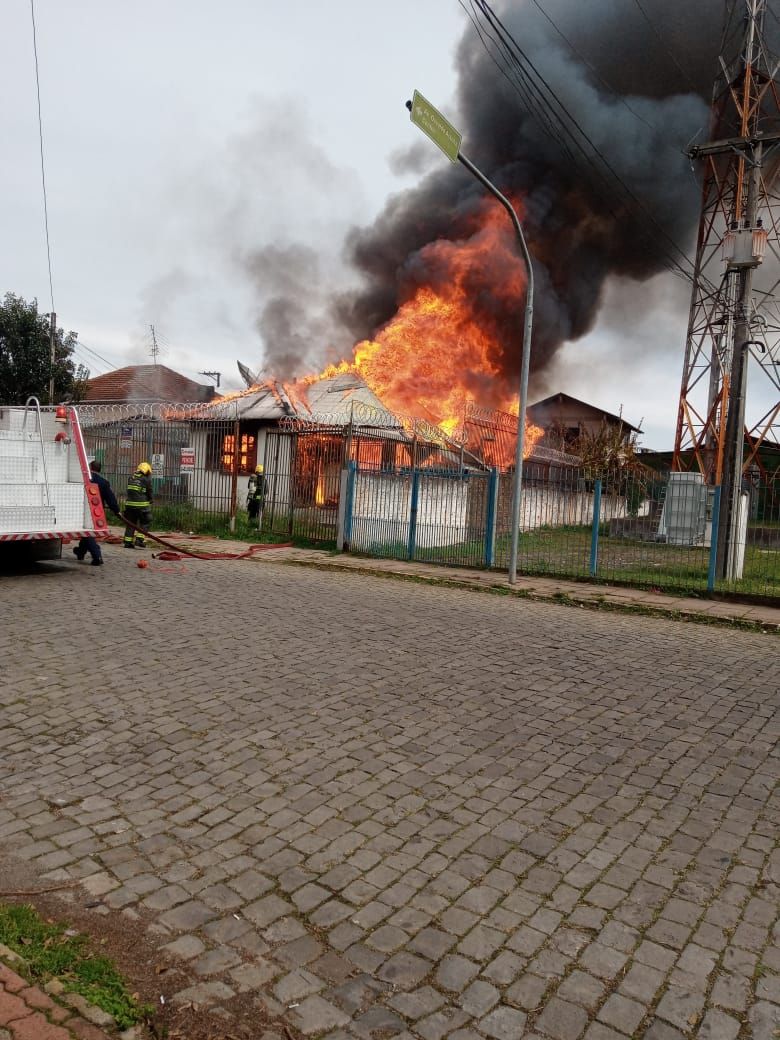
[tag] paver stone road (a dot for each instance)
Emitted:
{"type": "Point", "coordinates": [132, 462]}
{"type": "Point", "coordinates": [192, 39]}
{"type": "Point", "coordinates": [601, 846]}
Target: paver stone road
{"type": "Point", "coordinates": [385, 808]}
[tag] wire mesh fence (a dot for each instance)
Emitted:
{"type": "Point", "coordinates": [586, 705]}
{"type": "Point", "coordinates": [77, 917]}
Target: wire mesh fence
{"type": "Point", "coordinates": [426, 515]}
{"type": "Point", "coordinates": [631, 528]}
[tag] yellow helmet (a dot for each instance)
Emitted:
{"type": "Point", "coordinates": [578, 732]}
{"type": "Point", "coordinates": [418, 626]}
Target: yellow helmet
{"type": "Point", "coordinates": [145, 468]}
{"type": "Point", "coordinates": [259, 468]}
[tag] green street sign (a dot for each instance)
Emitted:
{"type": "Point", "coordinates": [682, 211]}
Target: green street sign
{"type": "Point", "coordinates": [432, 122]}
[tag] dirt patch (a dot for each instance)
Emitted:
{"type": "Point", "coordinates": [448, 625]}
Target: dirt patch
{"type": "Point", "coordinates": [149, 971]}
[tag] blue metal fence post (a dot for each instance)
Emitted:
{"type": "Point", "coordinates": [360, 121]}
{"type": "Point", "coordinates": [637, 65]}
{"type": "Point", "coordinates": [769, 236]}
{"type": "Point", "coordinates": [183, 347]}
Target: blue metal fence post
{"type": "Point", "coordinates": [711, 571]}
{"type": "Point", "coordinates": [350, 502]}
{"type": "Point", "coordinates": [413, 514]}
{"type": "Point", "coordinates": [594, 534]}
{"type": "Point", "coordinates": [490, 517]}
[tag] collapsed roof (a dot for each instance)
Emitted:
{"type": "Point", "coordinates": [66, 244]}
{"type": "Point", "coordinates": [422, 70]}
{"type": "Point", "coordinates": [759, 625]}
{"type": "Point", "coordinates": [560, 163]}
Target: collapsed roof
{"type": "Point", "coordinates": [332, 400]}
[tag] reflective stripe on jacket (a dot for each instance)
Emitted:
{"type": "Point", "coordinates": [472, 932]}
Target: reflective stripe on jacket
{"type": "Point", "coordinates": [139, 491]}
{"type": "Point", "coordinates": [257, 487]}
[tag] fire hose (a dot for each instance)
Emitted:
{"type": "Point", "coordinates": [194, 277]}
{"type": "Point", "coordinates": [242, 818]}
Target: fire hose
{"type": "Point", "coordinates": [176, 552]}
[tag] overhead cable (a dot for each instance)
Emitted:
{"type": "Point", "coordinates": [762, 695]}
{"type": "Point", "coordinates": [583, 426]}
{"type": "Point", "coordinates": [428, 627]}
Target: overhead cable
{"type": "Point", "coordinates": [40, 139]}
{"type": "Point", "coordinates": [547, 107]}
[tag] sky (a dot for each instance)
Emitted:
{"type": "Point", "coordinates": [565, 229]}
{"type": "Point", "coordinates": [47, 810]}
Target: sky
{"type": "Point", "coordinates": [181, 136]}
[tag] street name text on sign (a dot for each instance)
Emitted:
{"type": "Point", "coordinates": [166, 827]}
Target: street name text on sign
{"type": "Point", "coordinates": [432, 122]}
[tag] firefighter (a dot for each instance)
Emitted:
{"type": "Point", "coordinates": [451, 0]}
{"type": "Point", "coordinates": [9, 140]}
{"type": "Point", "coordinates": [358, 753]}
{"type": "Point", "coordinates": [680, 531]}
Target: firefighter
{"type": "Point", "coordinates": [256, 498]}
{"type": "Point", "coordinates": [138, 507]}
{"type": "Point", "coordinates": [108, 498]}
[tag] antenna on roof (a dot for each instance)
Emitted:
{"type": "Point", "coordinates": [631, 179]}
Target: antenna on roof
{"type": "Point", "coordinates": [155, 351]}
{"type": "Point", "coordinates": [250, 378]}
{"type": "Point", "coordinates": [212, 375]}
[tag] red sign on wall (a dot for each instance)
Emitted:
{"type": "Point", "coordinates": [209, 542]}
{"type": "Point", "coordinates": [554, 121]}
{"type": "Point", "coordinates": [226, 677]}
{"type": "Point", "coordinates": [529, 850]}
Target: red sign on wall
{"type": "Point", "coordinates": [187, 463]}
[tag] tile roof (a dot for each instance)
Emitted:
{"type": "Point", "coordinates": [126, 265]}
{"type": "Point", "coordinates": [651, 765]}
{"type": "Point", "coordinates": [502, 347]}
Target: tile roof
{"type": "Point", "coordinates": [146, 383]}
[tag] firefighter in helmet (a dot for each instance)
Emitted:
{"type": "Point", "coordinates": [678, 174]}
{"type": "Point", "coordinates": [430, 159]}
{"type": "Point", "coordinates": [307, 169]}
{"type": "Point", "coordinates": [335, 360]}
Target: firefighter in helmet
{"type": "Point", "coordinates": [138, 507]}
{"type": "Point", "coordinates": [255, 500]}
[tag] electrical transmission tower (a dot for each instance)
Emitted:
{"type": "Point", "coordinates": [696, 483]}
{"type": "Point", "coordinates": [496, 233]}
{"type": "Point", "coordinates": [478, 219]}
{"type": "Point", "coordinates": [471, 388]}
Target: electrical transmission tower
{"type": "Point", "coordinates": [734, 320]}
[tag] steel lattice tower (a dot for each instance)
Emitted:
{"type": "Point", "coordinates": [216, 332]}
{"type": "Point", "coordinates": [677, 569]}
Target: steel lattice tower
{"type": "Point", "coordinates": [734, 322]}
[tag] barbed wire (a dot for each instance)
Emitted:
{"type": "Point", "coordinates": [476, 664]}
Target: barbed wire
{"type": "Point", "coordinates": [493, 416]}
{"type": "Point", "coordinates": [91, 414]}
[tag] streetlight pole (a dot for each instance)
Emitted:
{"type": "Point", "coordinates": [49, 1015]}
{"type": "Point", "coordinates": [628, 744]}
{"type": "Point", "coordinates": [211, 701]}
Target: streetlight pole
{"type": "Point", "coordinates": [445, 136]}
{"type": "Point", "coordinates": [517, 486]}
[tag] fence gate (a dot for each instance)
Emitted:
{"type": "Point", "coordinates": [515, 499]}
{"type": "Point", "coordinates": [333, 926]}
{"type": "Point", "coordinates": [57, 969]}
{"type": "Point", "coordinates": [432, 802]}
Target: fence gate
{"type": "Point", "coordinates": [303, 480]}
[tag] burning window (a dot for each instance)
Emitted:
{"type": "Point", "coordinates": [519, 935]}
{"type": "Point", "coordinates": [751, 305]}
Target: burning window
{"type": "Point", "coordinates": [245, 461]}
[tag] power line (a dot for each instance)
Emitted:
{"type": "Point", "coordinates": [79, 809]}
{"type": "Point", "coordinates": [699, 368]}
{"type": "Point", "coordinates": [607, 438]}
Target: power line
{"type": "Point", "coordinates": [519, 86]}
{"type": "Point", "coordinates": [98, 356]}
{"type": "Point", "coordinates": [40, 139]}
{"type": "Point", "coordinates": [665, 46]}
{"type": "Point", "coordinates": [581, 57]}
{"type": "Point", "coordinates": [569, 128]}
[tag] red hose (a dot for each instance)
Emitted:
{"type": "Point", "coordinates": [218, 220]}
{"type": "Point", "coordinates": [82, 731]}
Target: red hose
{"type": "Point", "coordinates": [179, 553]}
{"type": "Point", "coordinates": [176, 552]}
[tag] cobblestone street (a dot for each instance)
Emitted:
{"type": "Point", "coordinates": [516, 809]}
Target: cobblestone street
{"type": "Point", "coordinates": [389, 809]}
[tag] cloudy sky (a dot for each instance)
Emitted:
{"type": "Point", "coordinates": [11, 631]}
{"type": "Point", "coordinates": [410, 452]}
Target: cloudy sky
{"type": "Point", "coordinates": [182, 136]}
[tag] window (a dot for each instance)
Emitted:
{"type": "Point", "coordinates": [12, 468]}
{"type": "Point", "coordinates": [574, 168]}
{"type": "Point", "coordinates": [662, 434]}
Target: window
{"type": "Point", "coordinates": [247, 454]}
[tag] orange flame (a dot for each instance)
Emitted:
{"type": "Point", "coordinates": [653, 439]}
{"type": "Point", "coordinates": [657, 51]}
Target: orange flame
{"type": "Point", "coordinates": [533, 434]}
{"type": "Point", "coordinates": [434, 357]}
{"type": "Point", "coordinates": [319, 495]}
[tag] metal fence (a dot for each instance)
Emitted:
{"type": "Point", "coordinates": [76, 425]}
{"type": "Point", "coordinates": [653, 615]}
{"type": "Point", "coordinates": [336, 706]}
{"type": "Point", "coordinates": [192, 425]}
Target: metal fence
{"type": "Point", "coordinates": [303, 483]}
{"type": "Point", "coordinates": [652, 530]}
{"type": "Point", "coordinates": [306, 462]}
{"type": "Point", "coordinates": [430, 515]}
{"type": "Point", "coordinates": [195, 459]}
{"type": "Point", "coordinates": [633, 528]}
{"type": "Point", "coordinates": [397, 491]}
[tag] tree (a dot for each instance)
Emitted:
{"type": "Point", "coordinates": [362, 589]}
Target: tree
{"type": "Point", "coordinates": [25, 355]}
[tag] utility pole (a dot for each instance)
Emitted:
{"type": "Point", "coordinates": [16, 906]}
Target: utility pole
{"type": "Point", "coordinates": [734, 439]}
{"type": "Point", "coordinates": [744, 135]}
{"type": "Point", "coordinates": [212, 375]}
{"type": "Point", "coordinates": [52, 353]}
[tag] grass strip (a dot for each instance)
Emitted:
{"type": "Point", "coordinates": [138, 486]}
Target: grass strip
{"type": "Point", "coordinates": [51, 950]}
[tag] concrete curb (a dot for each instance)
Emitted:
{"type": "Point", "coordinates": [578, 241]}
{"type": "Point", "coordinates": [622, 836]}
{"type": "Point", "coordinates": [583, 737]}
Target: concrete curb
{"type": "Point", "coordinates": [752, 617]}
{"type": "Point", "coordinates": [590, 597]}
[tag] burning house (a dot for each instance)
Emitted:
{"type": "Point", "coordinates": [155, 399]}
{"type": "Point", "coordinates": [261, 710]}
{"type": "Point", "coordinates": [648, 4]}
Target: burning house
{"type": "Point", "coordinates": [305, 434]}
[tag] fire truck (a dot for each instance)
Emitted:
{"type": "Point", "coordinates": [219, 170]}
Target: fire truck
{"type": "Point", "coordinates": [46, 494]}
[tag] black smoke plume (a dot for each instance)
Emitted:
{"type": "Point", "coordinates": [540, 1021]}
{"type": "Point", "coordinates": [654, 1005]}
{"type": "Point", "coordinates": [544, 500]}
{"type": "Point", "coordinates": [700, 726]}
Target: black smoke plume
{"type": "Point", "coordinates": [639, 88]}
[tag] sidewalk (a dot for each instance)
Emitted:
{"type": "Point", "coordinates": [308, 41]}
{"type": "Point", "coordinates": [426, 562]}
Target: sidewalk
{"type": "Point", "coordinates": [28, 1013]}
{"type": "Point", "coordinates": [535, 587]}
